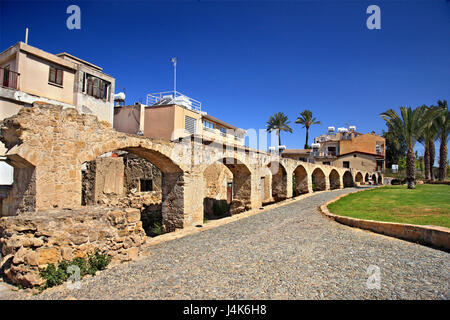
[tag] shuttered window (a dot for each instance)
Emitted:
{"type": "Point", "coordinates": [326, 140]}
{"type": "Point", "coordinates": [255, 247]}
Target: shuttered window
{"type": "Point", "coordinates": [55, 76]}
{"type": "Point", "coordinates": [189, 124]}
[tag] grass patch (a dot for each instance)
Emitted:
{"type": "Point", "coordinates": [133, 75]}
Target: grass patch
{"type": "Point", "coordinates": [426, 205]}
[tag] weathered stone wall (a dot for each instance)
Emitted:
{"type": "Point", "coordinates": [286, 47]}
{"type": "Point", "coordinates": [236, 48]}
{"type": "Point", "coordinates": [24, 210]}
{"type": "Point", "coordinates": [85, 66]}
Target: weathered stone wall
{"type": "Point", "coordinates": [22, 197]}
{"type": "Point", "coordinates": [216, 177]}
{"type": "Point", "coordinates": [242, 187]}
{"type": "Point", "coordinates": [137, 168]}
{"type": "Point", "coordinates": [102, 177]}
{"type": "Point", "coordinates": [31, 241]}
{"type": "Point", "coordinates": [279, 182]}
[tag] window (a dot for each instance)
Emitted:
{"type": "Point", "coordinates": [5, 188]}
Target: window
{"type": "Point", "coordinates": [207, 124]}
{"type": "Point", "coordinates": [6, 76]}
{"type": "Point", "coordinates": [346, 164]}
{"type": "Point", "coordinates": [189, 124]}
{"type": "Point", "coordinates": [96, 87]}
{"type": "Point", "coordinates": [146, 185]}
{"type": "Point", "coordinates": [55, 76]}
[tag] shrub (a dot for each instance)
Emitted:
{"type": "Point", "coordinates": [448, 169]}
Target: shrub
{"type": "Point", "coordinates": [156, 229]}
{"type": "Point", "coordinates": [54, 276]}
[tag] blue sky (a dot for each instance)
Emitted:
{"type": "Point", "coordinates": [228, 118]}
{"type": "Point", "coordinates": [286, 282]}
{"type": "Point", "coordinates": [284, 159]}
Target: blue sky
{"type": "Point", "coordinates": [245, 60]}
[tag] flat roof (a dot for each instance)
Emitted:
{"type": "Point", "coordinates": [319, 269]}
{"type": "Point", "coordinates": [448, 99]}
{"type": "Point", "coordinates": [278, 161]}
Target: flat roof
{"type": "Point", "coordinates": [296, 151]}
{"type": "Point", "coordinates": [65, 54]}
{"type": "Point", "coordinates": [207, 116]}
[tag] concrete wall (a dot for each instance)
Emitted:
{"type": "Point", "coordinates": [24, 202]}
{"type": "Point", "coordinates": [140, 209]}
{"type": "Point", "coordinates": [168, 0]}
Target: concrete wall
{"type": "Point", "coordinates": [127, 119]}
{"type": "Point", "coordinates": [159, 122]}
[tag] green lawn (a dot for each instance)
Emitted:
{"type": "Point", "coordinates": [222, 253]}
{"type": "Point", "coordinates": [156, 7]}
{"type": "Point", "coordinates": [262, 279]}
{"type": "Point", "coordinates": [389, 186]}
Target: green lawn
{"type": "Point", "coordinates": [426, 205]}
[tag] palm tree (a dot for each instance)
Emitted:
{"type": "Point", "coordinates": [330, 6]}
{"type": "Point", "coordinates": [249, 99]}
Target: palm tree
{"type": "Point", "coordinates": [307, 120]}
{"type": "Point", "coordinates": [429, 135]}
{"type": "Point", "coordinates": [409, 127]}
{"type": "Point", "coordinates": [279, 122]}
{"type": "Point", "coordinates": [443, 123]}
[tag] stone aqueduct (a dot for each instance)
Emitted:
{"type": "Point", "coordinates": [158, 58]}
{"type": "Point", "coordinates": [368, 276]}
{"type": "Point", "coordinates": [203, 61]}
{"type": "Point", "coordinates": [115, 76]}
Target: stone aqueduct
{"type": "Point", "coordinates": [47, 145]}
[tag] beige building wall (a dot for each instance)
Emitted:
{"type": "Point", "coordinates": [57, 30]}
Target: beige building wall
{"type": "Point", "coordinates": [360, 162]}
{"type": "Point", "coordinates": [363, 143]}
{"type": "Point", "coordinates": [159, 122]}
{"type": "Point", "coordinates": [33, 79]}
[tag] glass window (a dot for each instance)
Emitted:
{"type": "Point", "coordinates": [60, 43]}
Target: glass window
{"type": "Point", "coordinates": [55, 76]}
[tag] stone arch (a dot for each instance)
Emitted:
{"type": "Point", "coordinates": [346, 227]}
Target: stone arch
{"type": "Point", "coordinates": [374, 178]}
{"type": "Point", "coordinates": [171, 186]}
{"type": "Point", "coordinates": [318, 180]}
{"type": "Point", "coordinates": [301, 180]}
{"type": "Point", "coordinates": [334, 180]}
{"type": "Point", "coordinates": [279, 181]}
{"type": "Point", "coordinates": [366, 178]}
{"type": "Point", "coordinates": [347, 178]}
{"type": "Point", "coordinates": [241, 189]}
{"type": "Point", "coordinates": [359, 177]}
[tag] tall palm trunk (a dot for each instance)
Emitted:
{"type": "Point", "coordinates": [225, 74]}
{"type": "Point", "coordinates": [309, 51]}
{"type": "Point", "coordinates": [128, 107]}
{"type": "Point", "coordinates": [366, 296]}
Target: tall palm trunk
{"type": "Point", "coordinates": [410, 168]}
{"type": "Point", "coordinates": [307, 135]}
{"type": "Point", "coordinates": [279, 137]}
{"type": "Point", "coordinates": [443, 160]}
{"type": "Point", "coordinates": [426, 161]}
{"type": "Point", "coordinates": [432, 156]}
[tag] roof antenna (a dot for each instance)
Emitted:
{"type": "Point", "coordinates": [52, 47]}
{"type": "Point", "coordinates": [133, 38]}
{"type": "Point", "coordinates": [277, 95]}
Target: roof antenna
{"type": "Point", "coordinates": [26, 35]}
{"type": "Point", "coordinates": [174, 61]}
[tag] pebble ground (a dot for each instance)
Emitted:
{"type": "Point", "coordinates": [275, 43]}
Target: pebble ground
{"type": "Point", "coordinates": [290, 252]}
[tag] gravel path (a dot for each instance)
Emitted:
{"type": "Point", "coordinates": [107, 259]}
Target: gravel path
{"type": "Point", "coordinates": [290, 252]}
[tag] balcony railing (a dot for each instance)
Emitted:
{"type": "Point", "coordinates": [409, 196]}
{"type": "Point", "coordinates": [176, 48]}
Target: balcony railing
{"type": "Point", "coordinates": [173, 97]}
{"type": "Point", "coordinates": [9, 78]}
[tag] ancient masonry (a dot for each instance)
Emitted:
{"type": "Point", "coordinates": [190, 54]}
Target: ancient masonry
{"type": "Point", "coordinates": [80, 186]}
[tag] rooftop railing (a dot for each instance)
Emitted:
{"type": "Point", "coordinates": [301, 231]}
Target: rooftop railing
{"type": "Point", "coordinates": [173, 97]}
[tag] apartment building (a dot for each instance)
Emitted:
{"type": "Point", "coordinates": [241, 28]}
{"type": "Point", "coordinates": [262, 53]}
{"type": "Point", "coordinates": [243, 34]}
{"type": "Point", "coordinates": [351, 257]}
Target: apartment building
{"type": "Point", "coordinates": [171, 116]}
{"type": "Point", "coordinates": [29, 74]}
{"type": "Point", "coordinates": [345, 148]}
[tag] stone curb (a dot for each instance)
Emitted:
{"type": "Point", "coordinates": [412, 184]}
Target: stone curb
{"type": "Point", "coordinates": [434, 236]}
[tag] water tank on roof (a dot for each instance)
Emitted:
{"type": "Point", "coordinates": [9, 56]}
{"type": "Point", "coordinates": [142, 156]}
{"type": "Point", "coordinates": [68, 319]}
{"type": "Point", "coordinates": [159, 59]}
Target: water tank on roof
{"type": "Point", "coordinates": [315, 145]}
{"type": "Point", "coordinates": [342, 130]}
{"type": "Point", "coordinates": [352, 128]}
{"type": "Point", "coordinates": [331, 130]}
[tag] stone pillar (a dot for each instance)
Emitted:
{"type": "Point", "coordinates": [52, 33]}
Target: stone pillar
{"type": "Point", "coordinates": [172, 201]}
{"type": "Point", "coordinates": [194, 191]}
{"type": "Point", "coordinates": [327, 183]}
{"type": "Point", "coordinates": [289, 192]}
{"type": "Point", "coordinates": [310, 184]}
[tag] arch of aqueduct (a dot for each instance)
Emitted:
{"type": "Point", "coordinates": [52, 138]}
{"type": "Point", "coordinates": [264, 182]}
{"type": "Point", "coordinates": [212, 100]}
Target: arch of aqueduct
{"type": "Point", "coordinates": [47, 146]}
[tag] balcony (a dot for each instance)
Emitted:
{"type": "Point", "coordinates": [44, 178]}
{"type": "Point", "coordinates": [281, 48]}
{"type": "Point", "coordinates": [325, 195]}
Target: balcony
{"type": "Point", "coordinates": [9, 79]}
